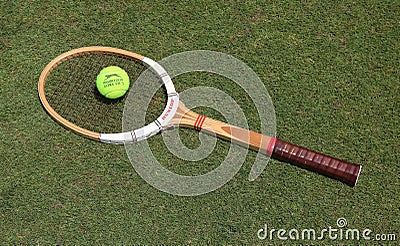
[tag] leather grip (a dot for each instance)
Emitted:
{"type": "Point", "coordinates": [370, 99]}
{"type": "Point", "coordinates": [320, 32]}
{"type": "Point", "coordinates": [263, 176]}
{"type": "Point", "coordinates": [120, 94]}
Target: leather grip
{"type": "Point", "coordinates": [311, 160]}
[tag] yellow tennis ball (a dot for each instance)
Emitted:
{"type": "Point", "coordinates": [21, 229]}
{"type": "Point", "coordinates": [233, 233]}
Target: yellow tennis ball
{"type": "Point", "coordinates": [112, 82]}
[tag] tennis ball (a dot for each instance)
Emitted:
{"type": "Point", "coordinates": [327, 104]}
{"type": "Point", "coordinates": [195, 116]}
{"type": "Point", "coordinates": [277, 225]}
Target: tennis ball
{"type": "Point", "coordinates": [112, 82]}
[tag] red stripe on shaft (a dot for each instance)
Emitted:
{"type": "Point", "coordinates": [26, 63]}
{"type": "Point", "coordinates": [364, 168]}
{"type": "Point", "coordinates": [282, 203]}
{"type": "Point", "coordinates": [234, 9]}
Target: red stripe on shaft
{"type": "Point", "coordinates": [271, 146]}
{"type": "Point", "coordinates": [203, 118]}
{"type": "Point", "coordinates": [195, 123]}
{"type": "Point", "coordinates": [199, 122]}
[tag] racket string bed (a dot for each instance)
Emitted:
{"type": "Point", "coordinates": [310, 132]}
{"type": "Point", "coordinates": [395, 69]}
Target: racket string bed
{"type": "Point", "coordinates": [71, 91]}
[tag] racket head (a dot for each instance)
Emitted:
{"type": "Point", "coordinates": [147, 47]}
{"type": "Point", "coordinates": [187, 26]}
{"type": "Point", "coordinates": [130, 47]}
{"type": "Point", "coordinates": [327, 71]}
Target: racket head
{"type": "Point", "coordinates": [68, 93]}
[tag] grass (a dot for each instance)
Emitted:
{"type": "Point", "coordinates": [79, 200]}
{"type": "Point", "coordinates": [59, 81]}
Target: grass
{"type": "Point", "coordinates": [331, 68]}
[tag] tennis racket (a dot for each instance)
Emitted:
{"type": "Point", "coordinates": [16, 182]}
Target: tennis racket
{"type": "Point", "coordinates": [67, 92]}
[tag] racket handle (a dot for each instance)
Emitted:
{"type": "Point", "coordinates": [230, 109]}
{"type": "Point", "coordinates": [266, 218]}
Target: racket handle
{"type": "Point", "coordinates": [313, 161]}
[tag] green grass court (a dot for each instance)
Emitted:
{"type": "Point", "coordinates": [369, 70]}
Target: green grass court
{"type": "Point", "coordinates": [331, 69]}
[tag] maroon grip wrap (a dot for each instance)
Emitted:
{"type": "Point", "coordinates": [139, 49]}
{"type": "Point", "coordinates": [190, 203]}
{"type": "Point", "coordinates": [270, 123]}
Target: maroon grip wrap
{"type": "Point", "coordinates": [311, 160]}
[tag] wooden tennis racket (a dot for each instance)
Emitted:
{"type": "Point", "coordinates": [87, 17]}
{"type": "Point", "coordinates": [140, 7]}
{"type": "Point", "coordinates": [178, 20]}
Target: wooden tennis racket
{"type": "Point", "coordinates": [68, 94]}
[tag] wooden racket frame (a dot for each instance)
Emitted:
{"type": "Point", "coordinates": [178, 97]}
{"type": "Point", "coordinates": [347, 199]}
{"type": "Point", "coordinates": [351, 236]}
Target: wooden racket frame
{"type": "Point", "coordinates": [177, 115]}
{"type": "Point", "coordinates": [66, 56]}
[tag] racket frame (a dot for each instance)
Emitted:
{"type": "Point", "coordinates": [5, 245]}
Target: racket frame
{"type": "Point", "coordinates": [113, 138]}
{"type": "Point", "coordinates": [176, 114]}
